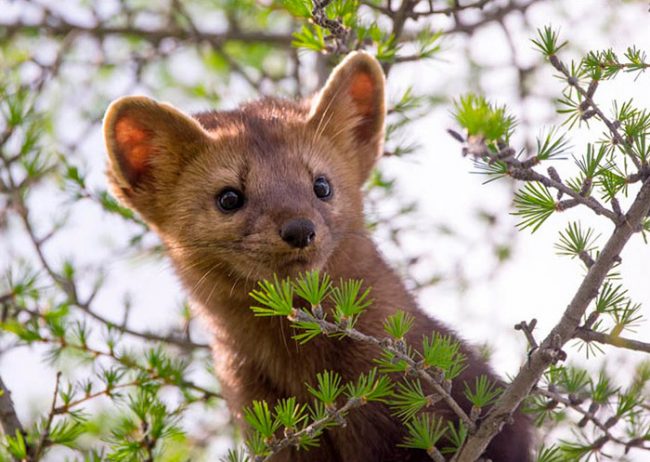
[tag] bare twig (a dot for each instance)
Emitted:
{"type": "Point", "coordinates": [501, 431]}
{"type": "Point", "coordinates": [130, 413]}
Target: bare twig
{"type": "Point", "coordinates": [61, 27]}
{"type": "Point", "coordinates": [45, 433]}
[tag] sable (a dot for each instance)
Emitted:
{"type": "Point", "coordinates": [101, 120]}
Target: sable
{"type": "Point", "coordinates": [274, 187]}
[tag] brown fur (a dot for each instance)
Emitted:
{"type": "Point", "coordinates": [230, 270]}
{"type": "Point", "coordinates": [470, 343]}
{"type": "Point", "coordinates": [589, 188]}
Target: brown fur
{"type": "Point", "coordinates": [169, 167]}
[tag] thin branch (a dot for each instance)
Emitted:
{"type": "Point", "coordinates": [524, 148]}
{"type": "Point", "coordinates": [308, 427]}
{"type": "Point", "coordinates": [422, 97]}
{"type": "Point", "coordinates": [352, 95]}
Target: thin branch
{"type": "Point", "coordinates": [45, 433]}
{"type": "Point", "coordinates": [589, 335]}
{"type": "Point", "coordinates": [496, 15]}
{"type": "Point", "coordinates": [523, 171]}
{"type": "Point", "coordinates": [528, 174]}
{"type": "Point", "coordinates": [62, 27]}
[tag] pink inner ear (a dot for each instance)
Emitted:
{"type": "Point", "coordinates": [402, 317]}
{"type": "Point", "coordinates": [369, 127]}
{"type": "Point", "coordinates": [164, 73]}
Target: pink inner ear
{"type": "Point", "coordinates": [134, 146]}
{"type": "Point", "coordinates": [362, 91]}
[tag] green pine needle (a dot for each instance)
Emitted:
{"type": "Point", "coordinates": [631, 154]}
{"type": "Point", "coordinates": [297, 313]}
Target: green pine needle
{"type": "Point", "coordinates": [308, 330]}
{"type": "Point", "coordinates": [276, 298]}
{"type": "Point", "coordinates": [329, 387]}
{"type": "Point", "coordinates": [591, 164]}
{"type": "Point", "coordinates": [349, 301]}
{"type": "Point", "coordinates": [424, 432]}
{"type": "Point", "coordinates": [408, 400]}
{"type": "Point", "coordinates": [485, 392]}
{"type": "Point", "coordinates": [480, 118]}
{"type": "Point", "coordinates": [574, 240]}
{"type": "Point", "coordinates": [534, 204]}
{"type": "Point", "coordinates": [547, 41]}
{"type": "Point", "coordinates": [443, 352]}
{"type": "Point", "coordinates": [371, 387]}
{"type": "Point", "coordinates": [397, 325]}
{"type": "Point", "coordinates": [290, 414]}
{"type": "Point", "coordinates": [312, 287]}
{"type": "Point", "coordinates": [389, 363]}
{"type": "Point", "coordinates": [610, 298]}
{"type": "Point", "coordinates": [552, 145]}
{"type": "Point", "coordinates": [258, 416]}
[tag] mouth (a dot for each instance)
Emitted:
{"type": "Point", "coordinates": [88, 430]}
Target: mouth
{"type": "Point", "coordinates": [296, 263]}
{"type": "Point", "coordinates": [261, 264]}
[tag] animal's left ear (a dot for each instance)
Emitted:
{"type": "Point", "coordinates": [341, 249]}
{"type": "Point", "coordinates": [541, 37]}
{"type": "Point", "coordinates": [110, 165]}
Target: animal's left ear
{"type": "Point", "coordinates": [351, 107]}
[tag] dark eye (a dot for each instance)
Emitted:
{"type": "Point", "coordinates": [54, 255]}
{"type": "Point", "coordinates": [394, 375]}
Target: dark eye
{"type": "Point", "coordinates": [230, 200]}
{"type": "Point", "coordinates": [322, 188]}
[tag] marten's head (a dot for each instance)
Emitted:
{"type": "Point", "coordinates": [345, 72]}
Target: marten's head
{"type": "Point", "coordinates": [272, 187]}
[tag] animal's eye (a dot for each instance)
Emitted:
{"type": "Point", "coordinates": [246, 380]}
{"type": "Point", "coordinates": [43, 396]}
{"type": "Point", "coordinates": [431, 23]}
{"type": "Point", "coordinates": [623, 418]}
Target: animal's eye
{"type": "Point", "coordinates": [230, 200]}
{"type": "Point", "coordinates": [322, 188]}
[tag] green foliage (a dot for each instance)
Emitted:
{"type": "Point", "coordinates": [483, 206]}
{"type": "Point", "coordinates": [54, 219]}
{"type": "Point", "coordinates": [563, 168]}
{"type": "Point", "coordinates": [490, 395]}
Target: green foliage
{"type": "Point", "coordinates": [148, 424]}
{"type": "Point", "coordinates": [547, 41]}
{"type": "Point", "coordinates": [575, 241]}
{"type": "Point", "coordinates": [289, 413]}
{"type": "Point", "coordinates": [349, 301]}
{"type": "Point", "coordinates": [276, 298]}
{"type": "Point", "coordinates": [397, 325]}
{"type": "Point", "coordinates": [485, 392]}
{"type": "Point", "coordinates": [258, 416]}
{"type": "Point", "coordinates": [552, 146]}
{"type": "Point", "coordinates": [371, 387]}
{"type": "Point", "coordinates": [389, 362]}
{"type": "Point", "coordinates": [409, 400]}
{"type": "Point", "coordinates": [606, 64]}
{"type": "Point", "coordinates": [443, 352]}
{"type": "Point", "coordinates": [424, 432]}
{"type": "Point", "coordinates": [610, 170]}
{"type": "Point", "coordinates": [534, 204]}
{"type": "Point", "coordinates": [482, 119]}
{"type": "Point", "coordinates": [329, 387]}
{"type": "Point", "coordinates": [313, 287]}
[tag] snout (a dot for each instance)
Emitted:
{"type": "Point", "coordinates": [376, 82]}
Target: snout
{"type": "Point", "coordinates": [298, 232]}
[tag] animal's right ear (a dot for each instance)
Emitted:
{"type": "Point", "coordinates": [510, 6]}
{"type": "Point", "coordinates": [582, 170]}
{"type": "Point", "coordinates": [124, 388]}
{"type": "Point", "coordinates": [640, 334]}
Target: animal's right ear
{"type": "Point", "coordinates": [352, 106]}
{"type": "Point", "coordinates": [147, 143]}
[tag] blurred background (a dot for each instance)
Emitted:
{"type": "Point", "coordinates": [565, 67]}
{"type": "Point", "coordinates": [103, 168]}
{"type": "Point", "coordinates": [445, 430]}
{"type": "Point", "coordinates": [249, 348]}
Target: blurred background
{"type": "Point", "coordinates": [78, 254]}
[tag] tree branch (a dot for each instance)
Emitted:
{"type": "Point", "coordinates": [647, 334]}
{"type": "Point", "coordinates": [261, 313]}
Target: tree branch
{"type": "Point", "coordinates": [565, 329]}
{"type": "Point", "coordinates": [9, 421]}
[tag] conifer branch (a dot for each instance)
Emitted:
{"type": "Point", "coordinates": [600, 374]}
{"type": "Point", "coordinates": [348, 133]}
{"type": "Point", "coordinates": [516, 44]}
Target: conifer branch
{"type": "Point", "coordinates": [388, 345]}
{"type": "Point", "coordinates": [565, 330]}
{"type": "Point", "coordinates": [589, 103]}
{"type": "Point", "coordinates": [590, 416]}
{"type": "Point", "coordinates": [333, 415]}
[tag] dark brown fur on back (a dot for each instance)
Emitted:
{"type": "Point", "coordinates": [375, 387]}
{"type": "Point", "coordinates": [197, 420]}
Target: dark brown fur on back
{"type": "Point", "coordinates": [170, 168]}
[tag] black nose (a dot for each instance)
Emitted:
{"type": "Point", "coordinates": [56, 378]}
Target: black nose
{"type": "Point", "coordinates": [298, 233]}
